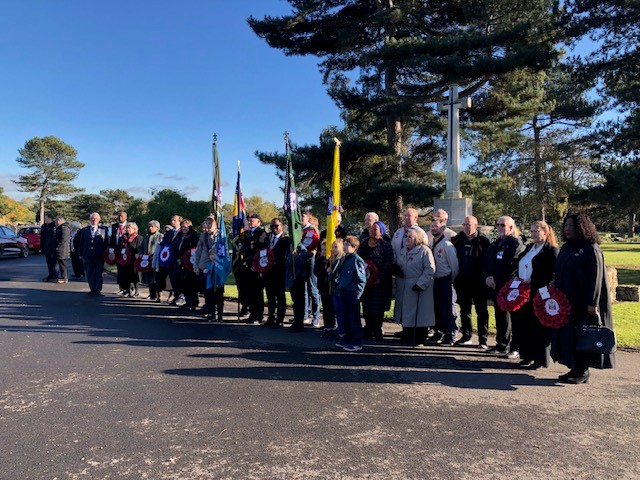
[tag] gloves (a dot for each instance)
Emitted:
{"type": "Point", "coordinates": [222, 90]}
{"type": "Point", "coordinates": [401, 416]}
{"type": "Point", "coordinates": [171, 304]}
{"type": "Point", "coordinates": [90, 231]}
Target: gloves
{"type": "Point", "coordinates": [396, 271]}
{"type": "Point", "coordinates": [416, 288]}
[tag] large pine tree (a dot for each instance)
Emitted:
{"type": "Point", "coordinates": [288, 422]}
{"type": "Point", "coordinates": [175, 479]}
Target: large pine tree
{"type": "Point", "coordinates": [53, 166]}
{"type": "Point", "coordinates": [386, 62]}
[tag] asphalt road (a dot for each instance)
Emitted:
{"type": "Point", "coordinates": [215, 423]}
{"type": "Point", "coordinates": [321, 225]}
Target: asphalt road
{"type": "Point", "coordinates": [114, 388]}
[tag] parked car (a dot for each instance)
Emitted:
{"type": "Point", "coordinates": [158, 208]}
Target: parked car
{"type": "Point", "coordinates": [11, 243]}
{"type": "Point", "coordinates": [32, 236]}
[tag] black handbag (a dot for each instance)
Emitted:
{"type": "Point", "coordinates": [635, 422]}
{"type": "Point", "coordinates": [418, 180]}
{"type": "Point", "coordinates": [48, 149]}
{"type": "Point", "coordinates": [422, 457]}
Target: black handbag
{"type": "Point", "coordinates": [595, 338]}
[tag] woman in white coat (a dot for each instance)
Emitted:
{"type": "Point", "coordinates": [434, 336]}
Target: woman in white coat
{"type": "Point", "coordinates": [414, 290]}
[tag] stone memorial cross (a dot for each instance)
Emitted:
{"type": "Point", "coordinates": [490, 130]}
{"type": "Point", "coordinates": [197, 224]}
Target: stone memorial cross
{"type": "Point", "coordinates": [453, 104]}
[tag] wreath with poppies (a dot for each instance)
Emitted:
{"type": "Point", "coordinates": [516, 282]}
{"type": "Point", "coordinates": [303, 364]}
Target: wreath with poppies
{"type": "Point", "coordinates": [552, 307]}
{"type": "Point", "coordinates": [143, 264]}
{"type": "Point", "coordinates": [263, 260]}
{"type": "Point", "coordinates": [189, 258]}
{"type": "Point", "coordinates": [372, 273]}
{"type": "Point", "coordinates": [109, 256]}
{"type": "Point", "coordinates": [513, 295]}
{"type": "Point", "coordinates": [123, 256]}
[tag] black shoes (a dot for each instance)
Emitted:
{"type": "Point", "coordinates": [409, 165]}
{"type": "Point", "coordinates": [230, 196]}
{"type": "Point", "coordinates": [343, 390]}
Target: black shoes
{"type": "Point", "coordinates": [575, 378]}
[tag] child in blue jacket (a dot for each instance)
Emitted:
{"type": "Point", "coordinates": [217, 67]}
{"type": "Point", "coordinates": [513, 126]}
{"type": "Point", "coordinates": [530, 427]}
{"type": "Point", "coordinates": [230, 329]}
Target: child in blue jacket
{"type": "Point", "coordinates": [350, 278]}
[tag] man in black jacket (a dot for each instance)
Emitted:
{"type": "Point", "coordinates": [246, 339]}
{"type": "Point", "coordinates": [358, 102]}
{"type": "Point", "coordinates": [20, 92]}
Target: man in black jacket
{"type": "Point", "coordinates": [274, 278]}
{"type": "Point", "coordinates": [471, 247]}
{"type": "Point", "coordinates": [48, 247]}
{"type": "Point", "coordinates": [63, 248]}
{"type": "Point", "coordinates": [500, 266]}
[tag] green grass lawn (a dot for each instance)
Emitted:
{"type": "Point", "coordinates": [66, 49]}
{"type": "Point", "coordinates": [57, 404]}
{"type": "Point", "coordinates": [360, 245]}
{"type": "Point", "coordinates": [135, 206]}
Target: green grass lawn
{"type": "Point", "coordinates": [626, 258]}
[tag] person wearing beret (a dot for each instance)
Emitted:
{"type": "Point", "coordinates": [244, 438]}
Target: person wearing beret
{"type": "Point", "coordinates": [255, 239]}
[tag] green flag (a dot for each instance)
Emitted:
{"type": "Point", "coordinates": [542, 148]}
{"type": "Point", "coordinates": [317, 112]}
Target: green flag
{"type": "Point", "coordinates": [291, 207]}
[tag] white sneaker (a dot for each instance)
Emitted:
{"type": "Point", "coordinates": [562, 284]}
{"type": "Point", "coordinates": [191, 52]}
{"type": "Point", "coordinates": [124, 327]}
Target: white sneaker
{"type": "Point", "coordinates": [512, 355]}
{"type": "Point", "coordinates": [352, 348]}
{"type": "Point", "coordinates": [181, 300]}
{"type": "Point", "coordinates": [315, 322]}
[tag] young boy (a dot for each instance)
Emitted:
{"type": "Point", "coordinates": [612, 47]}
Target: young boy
{"type": "Point", "coordinates": [350, 282]}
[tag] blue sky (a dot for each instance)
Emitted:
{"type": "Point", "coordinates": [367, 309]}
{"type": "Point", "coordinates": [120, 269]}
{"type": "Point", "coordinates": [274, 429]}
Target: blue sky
{"type": "Point", "coordinates": [139, 87]}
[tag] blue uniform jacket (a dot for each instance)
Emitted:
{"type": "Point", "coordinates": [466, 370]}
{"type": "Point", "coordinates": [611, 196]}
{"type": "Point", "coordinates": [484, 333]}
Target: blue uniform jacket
{"type": "Point", "coordinates": [352, 276]}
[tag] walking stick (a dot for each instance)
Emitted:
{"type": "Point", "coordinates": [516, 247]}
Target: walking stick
{"type": "Point", "coordinates": [415, 324]}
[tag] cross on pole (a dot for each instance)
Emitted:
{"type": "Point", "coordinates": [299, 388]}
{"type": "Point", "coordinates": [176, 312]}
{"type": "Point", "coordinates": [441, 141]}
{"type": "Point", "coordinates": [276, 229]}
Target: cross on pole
{"type": "Point", "coordinates": [453, 104]}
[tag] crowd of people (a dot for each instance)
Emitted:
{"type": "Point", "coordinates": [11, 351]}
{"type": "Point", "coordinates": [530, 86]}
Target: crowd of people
{"type": "Point", "coordinates": [436, 277]}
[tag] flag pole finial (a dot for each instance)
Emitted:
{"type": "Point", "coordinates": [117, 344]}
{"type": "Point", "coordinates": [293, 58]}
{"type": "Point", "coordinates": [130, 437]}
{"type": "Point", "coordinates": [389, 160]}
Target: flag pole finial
{"type": "Point", "coordinates": [215, 138]}
{"type": "Point", "coordinates": [338, 142]}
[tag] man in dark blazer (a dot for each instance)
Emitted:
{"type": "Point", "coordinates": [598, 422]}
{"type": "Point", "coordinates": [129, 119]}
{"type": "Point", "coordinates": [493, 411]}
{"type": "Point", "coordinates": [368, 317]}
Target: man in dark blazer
{"type": "Point", "coordinates": [118, 229]}
{"type": "Point", "coordinates": [255, 239]}
{"type": "Point", "coordinates": [274, 278]}
{"type": "Point", "coordinates": [91, 246]}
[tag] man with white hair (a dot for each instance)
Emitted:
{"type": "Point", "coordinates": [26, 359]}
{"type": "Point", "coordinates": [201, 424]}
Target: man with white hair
{"type": "Point", "coordinates": [369, 219]}
{"type": "Point", "coordinates": [398, 242]}
{"type": "Point", "coordinates": [500, 267]}
{"type": "Point", "coordinates": [91, 246]}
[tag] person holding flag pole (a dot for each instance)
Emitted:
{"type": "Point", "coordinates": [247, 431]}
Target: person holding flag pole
{"type": "Point", "coordinates": [238, 228]}
{"type": "Point", "coordinates": [297, 265]}
{"type": "Point", "coordinates": [220, 263]}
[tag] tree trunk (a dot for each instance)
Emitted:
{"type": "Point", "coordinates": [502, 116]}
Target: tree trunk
{"type": "Point", "coordinates": [41, 212]}
{"type": "Point", "coordinates": [538, 166]}
{"type": "Point", "coordinates": [394, 127]}
{"type": "Point", "coordinates": [632, 225]}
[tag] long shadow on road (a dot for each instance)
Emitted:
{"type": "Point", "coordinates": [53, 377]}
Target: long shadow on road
{"type": "Point", "coordinates": [62, 309]}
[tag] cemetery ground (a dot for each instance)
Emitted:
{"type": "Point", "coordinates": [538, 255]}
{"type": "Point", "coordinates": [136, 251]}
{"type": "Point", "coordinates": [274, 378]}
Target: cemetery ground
{"type": "Point", "coordinates": [121, 388]}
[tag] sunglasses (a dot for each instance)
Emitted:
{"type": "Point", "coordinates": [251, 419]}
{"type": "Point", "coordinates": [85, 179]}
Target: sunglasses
{"type": "Point", "coordinates": [274, 226]}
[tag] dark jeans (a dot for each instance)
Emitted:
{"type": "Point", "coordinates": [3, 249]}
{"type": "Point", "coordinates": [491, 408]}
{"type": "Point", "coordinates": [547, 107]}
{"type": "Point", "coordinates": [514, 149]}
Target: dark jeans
{"type": "Point", "coordinates": [93, 268]}
{"type": "Point", "coordinates": [442, 302]}
{"type": "Point", "coordinates": [213, 297]}
{"type": "Point", "coordinates": [347, 307]}
{"type": "Point", "coordinates": [468, 295]}
{"type": "Point", "coordinates": [312, 295]}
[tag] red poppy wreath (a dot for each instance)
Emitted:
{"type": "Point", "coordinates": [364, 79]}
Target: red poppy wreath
{"type": "Point", "coordinates": [123, 256]}
{"type": "Point", "coordinates": [109, 256]}
{"type": "Point", "coordinates": [263, 260]}
{"type": "Point", "coordinates": [552, 307]}
{"type": "Point", "coordinates": [189, 258]}
{"type": "Point", "coordinates": [143, 264]}
{"type": "Point", "coordinates": [513, 295]}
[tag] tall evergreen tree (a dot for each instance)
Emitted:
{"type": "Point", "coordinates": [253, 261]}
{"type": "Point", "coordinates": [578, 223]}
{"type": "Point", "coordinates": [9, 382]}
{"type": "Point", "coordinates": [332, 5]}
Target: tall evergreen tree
{"type": "Point", "coordinates": [53, 167]}
{"type": "Point", "coordinates": [534, 128]}
{"type": "Point", "coordinates": [404, 54]}
{"type": "Point", "coordinates": [614, 26]}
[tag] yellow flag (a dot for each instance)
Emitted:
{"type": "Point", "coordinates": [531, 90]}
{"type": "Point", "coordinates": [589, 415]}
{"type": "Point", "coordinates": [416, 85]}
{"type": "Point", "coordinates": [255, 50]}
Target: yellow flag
{"type": "Point", "coordinates": [334, 207]}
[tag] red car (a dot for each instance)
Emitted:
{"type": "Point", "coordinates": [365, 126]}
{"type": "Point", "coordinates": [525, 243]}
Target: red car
{"type": "Point", "coordinates": [32, 236]}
